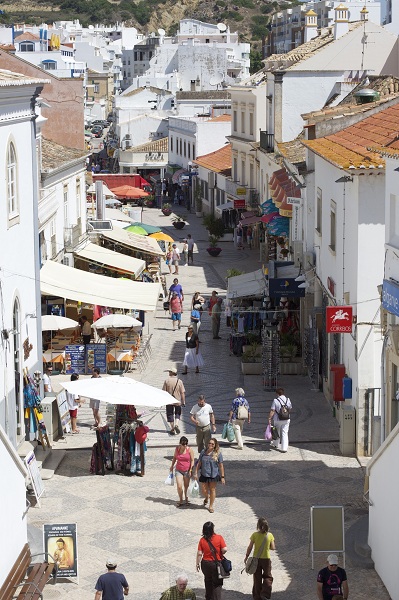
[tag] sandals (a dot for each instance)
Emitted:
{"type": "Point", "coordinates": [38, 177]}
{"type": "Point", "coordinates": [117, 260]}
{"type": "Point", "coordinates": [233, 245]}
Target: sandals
{"type": "Point", "coordinates": [179, 504]}
{"type": "Point", "coordinates": [211, 510]}
{"type": "Point", "coordinates": [205, 501]}
{"type": "Point", "coordinates": [187, 501]}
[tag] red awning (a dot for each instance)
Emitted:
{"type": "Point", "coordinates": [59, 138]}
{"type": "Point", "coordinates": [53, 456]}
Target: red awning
{"type": "Point", "coordinates": [250, 221]}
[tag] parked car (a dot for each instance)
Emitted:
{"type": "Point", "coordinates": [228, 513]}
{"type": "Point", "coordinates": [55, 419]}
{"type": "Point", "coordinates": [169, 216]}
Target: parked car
{"type": "Point", "coordinates": [97, 131]}
{"type": "Point", "coordinates": [101, 122]}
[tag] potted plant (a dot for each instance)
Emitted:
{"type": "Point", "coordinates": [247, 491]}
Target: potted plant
{"type": "Point", "coordinates": [167, 209]}
{"type": "Point", "coordinates": [213, 248]}
{"type": "Point", "coordinates": [288, 352]}
{"type": "Point", "coordinates": [251, 361]}
{"type": "Point", "coordinates": [150, 202]}
{"type": "Point", "coordinates": [198, 200]}
{"type": "Point", "coordinates": [178, 222]}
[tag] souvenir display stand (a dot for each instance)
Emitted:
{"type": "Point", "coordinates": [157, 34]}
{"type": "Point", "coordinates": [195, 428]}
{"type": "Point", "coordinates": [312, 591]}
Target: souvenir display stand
{"type": "Point", "coordinates": [34, 421]}
{"type": "Point", "coordinates": [102, 454]}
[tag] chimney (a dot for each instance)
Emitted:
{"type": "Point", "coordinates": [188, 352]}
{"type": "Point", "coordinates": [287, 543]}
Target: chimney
{"type": "Point", "coordinates": [341, 25]}
{"type": "Point", "coordinates": [310, 25]}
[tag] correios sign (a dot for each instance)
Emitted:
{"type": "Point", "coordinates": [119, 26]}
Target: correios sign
{"type": "Point", "coordinates": [339, 319]}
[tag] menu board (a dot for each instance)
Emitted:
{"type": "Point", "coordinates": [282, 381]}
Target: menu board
{"type": "Point", "coordinates": [97, 357]}
{"type": "Point", "coordinates": [75, 356]}
{"type": "Point", "coordinates": [63, 408]}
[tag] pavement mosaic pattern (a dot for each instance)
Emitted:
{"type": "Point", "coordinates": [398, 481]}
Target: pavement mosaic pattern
{"type": "Point", "coordinates": [136, 519]}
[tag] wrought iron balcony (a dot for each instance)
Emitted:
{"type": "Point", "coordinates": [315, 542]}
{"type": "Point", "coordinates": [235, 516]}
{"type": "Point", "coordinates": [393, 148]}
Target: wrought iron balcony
{"type": "Point", "coordinates": [267, 141]}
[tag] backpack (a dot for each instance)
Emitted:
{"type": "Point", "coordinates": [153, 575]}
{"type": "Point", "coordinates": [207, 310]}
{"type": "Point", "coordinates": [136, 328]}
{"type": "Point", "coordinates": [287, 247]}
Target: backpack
{"type": "Point", "coordinates": [284, 412]}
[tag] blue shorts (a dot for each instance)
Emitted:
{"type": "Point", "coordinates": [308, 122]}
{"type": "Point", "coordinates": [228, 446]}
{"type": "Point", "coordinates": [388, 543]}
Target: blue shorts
{"type": "Point", "coordinates": [176, 316]}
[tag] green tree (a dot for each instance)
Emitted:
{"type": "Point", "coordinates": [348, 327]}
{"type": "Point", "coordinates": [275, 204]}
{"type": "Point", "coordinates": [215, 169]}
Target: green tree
{"type": "Point", "coordinates": [255, 57]}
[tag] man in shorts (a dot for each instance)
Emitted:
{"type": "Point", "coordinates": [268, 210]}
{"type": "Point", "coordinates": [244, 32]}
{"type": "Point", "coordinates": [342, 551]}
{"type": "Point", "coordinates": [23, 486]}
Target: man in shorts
{"type": "Point", "coordinates": [175, 258]}
{"type": "Point", "coordinates": [175, 309]}
{"type": "Point", "coordinates": [174, 386]}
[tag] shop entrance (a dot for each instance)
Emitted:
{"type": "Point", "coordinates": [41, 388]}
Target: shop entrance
{"type": "Point", "coordinates": [394, 395]}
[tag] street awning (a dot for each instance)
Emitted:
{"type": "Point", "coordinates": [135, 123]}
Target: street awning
{"type": "Point", "coordinates": [246, 285]}
{"type": "Point", "coordinates": [250, 221]}
{"type": "Point", "coordinates": [103, 256]}
{"type": "Point", "coordinates": [66, 282]}
{"type": "Point", "coordinates": [133, 241]}
{"type": "Point", "coordinates": [226, 206]}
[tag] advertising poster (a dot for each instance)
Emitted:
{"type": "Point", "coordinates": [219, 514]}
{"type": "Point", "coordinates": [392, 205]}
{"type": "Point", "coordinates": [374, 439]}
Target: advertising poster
{"type": "Point", "coordinates": [34, 474]}
{"type": "Point", "coordinates": [61, 542]}
{"type": "Point", "coordinates": [97, 357]}
{"type": "Point", "coordinates": [75, 359]}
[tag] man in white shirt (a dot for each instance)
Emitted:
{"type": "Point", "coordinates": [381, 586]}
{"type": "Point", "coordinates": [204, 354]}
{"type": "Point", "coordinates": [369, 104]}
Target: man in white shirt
{"type": "Point", "coordinates": [203, 418]}
{"type": "Point", "coordinates": [190, 243]}
{"type": "Point", "coordinates": [46, 379]}
{"type": "Point", "coordinates": [86, 330]}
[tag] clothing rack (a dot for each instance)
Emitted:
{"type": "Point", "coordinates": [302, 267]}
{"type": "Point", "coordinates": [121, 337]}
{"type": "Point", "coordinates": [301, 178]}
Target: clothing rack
{"type": "Point", "coordinates": [126, 445]}
{"type": "Point", "coordinates": [102, 454]}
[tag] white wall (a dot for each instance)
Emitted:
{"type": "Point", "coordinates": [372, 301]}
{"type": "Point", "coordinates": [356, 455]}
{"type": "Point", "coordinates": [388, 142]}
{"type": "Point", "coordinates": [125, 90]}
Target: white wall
{"type": "Point", "coordinates": [383, 521]}
{"type": "Point", "coordinates": [12, 507]}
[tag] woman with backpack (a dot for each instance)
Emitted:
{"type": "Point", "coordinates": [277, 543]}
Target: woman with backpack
{"type": "Point", "coordinates": [262, 541]}
{"type": "Point", "coordinates": [211, 468]}
{"type": "Point", "coordinates": [211, 548]}
{"type": "Point", "coordinates": [239, 413]}
{"type": "Point", "coordinates": [280, 412]}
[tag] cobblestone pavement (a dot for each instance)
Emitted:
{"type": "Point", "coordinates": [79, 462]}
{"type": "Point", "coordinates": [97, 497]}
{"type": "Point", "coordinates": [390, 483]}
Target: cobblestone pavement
{"type": "Point", "coordinates": [136, 519]}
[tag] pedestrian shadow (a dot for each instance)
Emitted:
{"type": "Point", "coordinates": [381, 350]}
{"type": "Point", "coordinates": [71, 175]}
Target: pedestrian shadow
{"type": "Point", "coordinates": [169, 502]}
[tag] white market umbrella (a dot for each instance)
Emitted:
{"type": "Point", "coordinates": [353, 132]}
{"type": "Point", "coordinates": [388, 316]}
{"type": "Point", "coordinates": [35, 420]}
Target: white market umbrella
{"type": "Point", "coordinates": [119, 390]}
{"type": "Point", "coordinates": [55, 322]}
{"type": "Point", "coordinates": [116, 321]}
{"type": "Point", "coordinates": [106, 191]}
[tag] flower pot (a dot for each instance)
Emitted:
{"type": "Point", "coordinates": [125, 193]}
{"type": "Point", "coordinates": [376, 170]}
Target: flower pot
{"type": "Point", "coordinates": [179, 224]}
{"type": "Point", "coordinates": [167, 212]}
{"type": "Point", "coordinates": [150, 204]}
{"type": "Point", "coordinates": [214, 251]}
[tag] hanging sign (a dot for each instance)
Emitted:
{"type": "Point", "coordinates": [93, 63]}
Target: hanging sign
{"type": "Point", "coordinates": [239, 203]}
{"type": "Point", "coordinates": [339, 319]}
{"type": "Point", "coordinates": [61, 542]}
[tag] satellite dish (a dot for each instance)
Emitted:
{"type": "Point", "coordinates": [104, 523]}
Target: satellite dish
{"type": "Point", "coordinates": [222, 27]}
{"type": "Point", "coordinates": [161, 31]}
{"type": "Point", "coordinates": [216, 79]}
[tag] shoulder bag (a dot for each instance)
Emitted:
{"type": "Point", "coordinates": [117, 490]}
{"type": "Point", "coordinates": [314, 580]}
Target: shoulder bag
{"type": "Point", "coordinates": [252, 562]}
{"type": "Point", "coordinates": [242, 412]}
{"type": "Point", "coordinates": [223, 566]}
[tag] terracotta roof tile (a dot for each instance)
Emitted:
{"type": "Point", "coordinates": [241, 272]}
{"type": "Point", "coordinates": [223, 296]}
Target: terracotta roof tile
{"type": "Point", "coordinates": [26, 36]}
{"type": "Point", "coordinates": [54, 155]}
{"type": "Point", "coordinates": [160, 145]}
{"type": "Point", "coordinates": [220, 118]}
{"type": "Point", "coordinates": [219, 161]}
{"type": "Point", "coordinates": [361, 144]}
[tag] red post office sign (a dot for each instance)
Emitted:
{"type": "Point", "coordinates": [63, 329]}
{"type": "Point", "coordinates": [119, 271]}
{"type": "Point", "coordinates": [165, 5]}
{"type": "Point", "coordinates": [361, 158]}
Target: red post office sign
{"type": "Point", "coordinates": [339, 319]}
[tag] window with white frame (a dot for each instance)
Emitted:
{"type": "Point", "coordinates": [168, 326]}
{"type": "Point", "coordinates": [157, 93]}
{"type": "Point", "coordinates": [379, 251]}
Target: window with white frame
{"type": "Point", "coordinates": [242, 121]}
{"type": "Point", "coordinates": [27, 47]}
{"type": "Point", "coordinates": [78, 198]}
{"type": "Point", "coordinates": [235, 170]}
{"type": "Point", "coordinates": [251, 123]}
{"type": "Point", "coordinates": [171, 143]}
{"type": "Point", "coordinates": [333, 226]}
{"type": "Point", "coordinates": [234, 120]}
{"type": "Point", "coordinates": [12, 183]}
{"type": "Point", "coordinates": [65, 205]}
{"type": "Point", "coordinates": [319, 208]}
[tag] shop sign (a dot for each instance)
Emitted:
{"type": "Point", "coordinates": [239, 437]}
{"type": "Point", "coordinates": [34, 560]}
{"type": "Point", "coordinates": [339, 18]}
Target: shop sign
{"type": "Point", "coordinates": [296, 224]}
{"type": "Point", "coordinates": [339, 319]}
{"type": "Point", "coordinates": [331, 286]}
{"type": "Point", "coordinates": [294, 201]}
{"type": "Point", "coordinates": [60, 541]}
{"type": "Point", "coordinates": [239, 203]}
{"type": "Point", "coordinates": [285, 287]}
{"type": "Point", "coordinates": [390, 297]}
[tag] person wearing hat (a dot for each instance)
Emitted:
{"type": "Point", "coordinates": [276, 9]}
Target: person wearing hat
{"type": "Point", "coordinates": [332, 580]}
{"type": "Point", "coordinates": [111, 585]}
{"type": "Point", "coordinates": [174, 386]}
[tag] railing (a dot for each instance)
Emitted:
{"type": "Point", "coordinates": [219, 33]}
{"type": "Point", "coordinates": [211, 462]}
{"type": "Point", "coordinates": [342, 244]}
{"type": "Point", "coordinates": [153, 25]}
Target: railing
{"type": "Point", "coordinates": [72, 236]}
{"type": "Point", "coordinates": [267, 141]}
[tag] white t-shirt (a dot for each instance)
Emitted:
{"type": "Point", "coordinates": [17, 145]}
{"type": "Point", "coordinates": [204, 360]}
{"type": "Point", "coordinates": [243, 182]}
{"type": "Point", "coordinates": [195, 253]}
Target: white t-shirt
{"type": "Point", "coordinates": [175, 254]}
{"type": "Point", "coordinates": [72, 400]}
{"type": "Point", "coordinates": [190, 243]}
{"type": "Point", "coordinates": [277, 405]}
{"type": "Point", "coordinates": [201, 413]}
{"type": "Point", "coordinates": [46, 381]}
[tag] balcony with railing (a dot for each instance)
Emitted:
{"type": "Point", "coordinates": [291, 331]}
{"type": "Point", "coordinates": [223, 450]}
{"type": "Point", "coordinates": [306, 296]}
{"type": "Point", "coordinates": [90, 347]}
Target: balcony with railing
{"type": "Point", "coordinates": [72, 236]}
{"type": "Point", "coordinates": [267, 141]}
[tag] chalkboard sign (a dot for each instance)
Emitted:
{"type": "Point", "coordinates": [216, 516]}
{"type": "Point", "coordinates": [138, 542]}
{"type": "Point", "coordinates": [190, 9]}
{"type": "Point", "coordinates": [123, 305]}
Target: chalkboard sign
{"type": "Point", "coordinates": [327, 530]}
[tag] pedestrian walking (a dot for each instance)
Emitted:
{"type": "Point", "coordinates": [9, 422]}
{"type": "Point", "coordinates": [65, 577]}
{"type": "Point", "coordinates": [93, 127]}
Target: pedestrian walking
{"type": "Point", "coordinates": [180, 591]}
{"type": "Point", "coordinates": [195, 321]}
{"type": "Point", "coordinates": [204, 420]}
{"type": "Point", "coordinates": [176, 287]}
{"type": "Point", "coordinates": [185, 253]}
{"type": "Point", "coordinates": [262, 541]}
{"type": "Point", "coordinates": [86, 330]}
{"type": "Point", "coordinates": [280, 413]}
{"type": "Point", "coordinates": [175, 387]}
{"type": "Point", "coordinates": [192, 356]}
{"type": "Point", "coordinates": [211, 469]}
{"type": "Point", "coordinates": [332, 580]}
{"type": "Point", "coordinates": [175, 258]}
{"type": "Point", "coordinates": [175, 310]}
{"type": "Point", "coordinates": [190, 243]}
{"type": "Point", "coordinates": [216, 317]}
{"type": "Point", "coordinates": [212, 301]}
{"type": "Point", "coordinates": [168, 258]}
{"type": "Point", "coordinates": [111, 585]}
{"type": "Point", "coordinates": [73, 401]}
{"type": "Point", "coordinates": [239, 237]}
{"type": "Point", "coordinates": [95, 404]}
{"type": "Point", "coordinates": [211, 548]}
{"type": "Point", "coordinates": [183, 458]}
{"type": "Point", "coordinates": [249, 236]}
{"type": "Point", "coordinates": [239, 413]}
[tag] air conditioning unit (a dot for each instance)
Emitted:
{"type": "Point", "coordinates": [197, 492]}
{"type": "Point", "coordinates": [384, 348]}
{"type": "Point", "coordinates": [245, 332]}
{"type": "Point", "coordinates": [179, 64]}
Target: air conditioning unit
{"type": "Point", "coordinates": [68, 259]}
{"type": "Point", "coordinates": [309, 260]}
{"type": "Point", "coordinates": [128, 141]}
{"type": "Point", "coordinates": [297, 247]}
{"type": "Point", "coordinates": [211, 179]}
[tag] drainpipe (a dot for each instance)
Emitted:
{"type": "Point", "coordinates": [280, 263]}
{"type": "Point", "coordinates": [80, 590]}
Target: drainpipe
{"type": "Point", "coordinates": [383, 351]}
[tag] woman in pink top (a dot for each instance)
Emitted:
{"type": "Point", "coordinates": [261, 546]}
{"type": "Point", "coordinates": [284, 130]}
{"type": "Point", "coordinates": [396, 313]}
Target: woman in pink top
{"type": "Point", "coordinates": [183, 458]}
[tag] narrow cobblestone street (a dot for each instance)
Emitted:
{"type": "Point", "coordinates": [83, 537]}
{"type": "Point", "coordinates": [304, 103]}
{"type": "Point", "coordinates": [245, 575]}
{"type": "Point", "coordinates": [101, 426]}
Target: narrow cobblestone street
{"type": "Point", "coordinates": [136, 519]}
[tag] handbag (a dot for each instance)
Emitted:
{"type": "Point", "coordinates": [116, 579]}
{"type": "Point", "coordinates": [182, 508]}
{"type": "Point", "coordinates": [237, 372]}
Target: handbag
{"type": "Point", "coordinates": [223, 565]}
{"type": "Point", "coordinates": [252, 562]}
{"type": "Point", "coordinates": [268, 433]}
{"type": "Point", "coordinates": [242, 412]}
{"type": "Point", "coordinates": [231, 436]}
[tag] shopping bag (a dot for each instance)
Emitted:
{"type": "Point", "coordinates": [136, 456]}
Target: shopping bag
{"type": "Point", "coordinates": [193, 489]}
{"type": "Point", "coordinates": [268, 433]}
{"type": "Point", "coordinates": [230, 433]}
{"type": "Point", "coordinates": [170, 480]}
{"type": "Point", "coordinates": [275, 434]}
{"type": "Point", "coordinates": [224, 431]}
